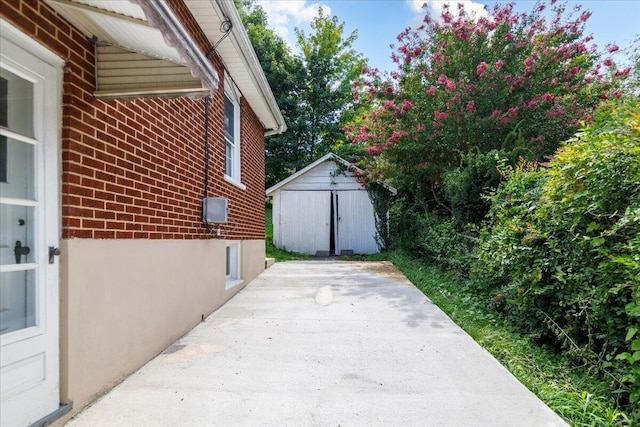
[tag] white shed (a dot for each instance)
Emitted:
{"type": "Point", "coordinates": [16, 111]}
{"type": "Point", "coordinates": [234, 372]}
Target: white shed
{"type": "Point", "coordinates": [323, 210]}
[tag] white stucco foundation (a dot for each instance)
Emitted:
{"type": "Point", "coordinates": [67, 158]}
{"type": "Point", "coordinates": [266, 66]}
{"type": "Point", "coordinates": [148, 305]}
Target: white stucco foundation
{"type": "Point", "coordinates": [124, 301]}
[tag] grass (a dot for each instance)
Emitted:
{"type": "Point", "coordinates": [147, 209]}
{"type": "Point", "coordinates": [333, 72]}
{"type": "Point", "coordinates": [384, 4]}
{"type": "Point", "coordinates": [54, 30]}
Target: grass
{"type": "Point", "coordinates": [578, 397]}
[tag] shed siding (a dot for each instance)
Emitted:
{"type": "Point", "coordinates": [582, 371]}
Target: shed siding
{"type": "Point", "coordinates": [356, 224]}
{"type": "Point", "coordinates": [305, 218]}
{"type": "Point", "coordinates": [326, 176]}
{"type": "Point", "coordinates": [303, 210]}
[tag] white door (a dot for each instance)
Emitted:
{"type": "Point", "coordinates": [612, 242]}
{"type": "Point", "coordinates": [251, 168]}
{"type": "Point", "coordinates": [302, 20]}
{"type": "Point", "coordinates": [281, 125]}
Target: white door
{"type": "Point", "coordinates": [355, 228]}
{"type": "Point", "coordinates": [305, 221]}
{"type": "Point", "coordinates": [29, 123]}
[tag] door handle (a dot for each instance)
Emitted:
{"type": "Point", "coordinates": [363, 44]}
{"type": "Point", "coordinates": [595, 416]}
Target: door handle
{"type": "Point", "coordinates": [53, 252]}
{"type": "Point", "coordinates": [19, 250]}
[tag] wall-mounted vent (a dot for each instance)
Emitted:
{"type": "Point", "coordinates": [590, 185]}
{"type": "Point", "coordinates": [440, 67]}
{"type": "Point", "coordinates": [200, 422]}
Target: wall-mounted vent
{"type": "Point", "coordinates": [215, 209]}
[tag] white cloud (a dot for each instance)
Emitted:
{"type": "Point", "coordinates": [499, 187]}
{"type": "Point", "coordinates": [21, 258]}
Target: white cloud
{"type": "Point", "coordinates": [435, 8]}
{"type": "Point", "coordinates": [416, 5]}
{"type": "Point", "coordinates": [284, 15]}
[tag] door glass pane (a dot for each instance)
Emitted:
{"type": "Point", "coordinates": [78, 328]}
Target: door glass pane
{"type": "Point", "coordinates": [16, 99]}
{"type": "Point", "coordinates": [16, 234]}
{"type": "Point", "coordinates": [17, 300]}
{"type": "Point", "coordinates": [19, 170]}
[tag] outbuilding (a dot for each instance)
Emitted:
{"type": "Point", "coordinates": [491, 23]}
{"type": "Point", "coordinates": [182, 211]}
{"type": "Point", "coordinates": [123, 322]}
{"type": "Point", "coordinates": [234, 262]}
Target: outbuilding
{"type": "Point", "coordinates": [325, 209]}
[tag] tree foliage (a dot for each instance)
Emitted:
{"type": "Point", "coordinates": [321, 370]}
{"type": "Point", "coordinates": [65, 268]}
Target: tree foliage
{"type": "Point", "coordinates": [561, 251]}
{"type": "Point", "coordinates": [311, 87]}
{"type": "Point", "coordinates": [330, 64]}
{"type": "Point", "coordinates": [283, 72]}
{"type": "Point", "coordinates": [506, 81]}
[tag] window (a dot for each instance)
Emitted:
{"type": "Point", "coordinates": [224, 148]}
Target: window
{"type": "Point", "coordinates": [233, 264]}
{"type": "Point", "coordinates": [232, 133]}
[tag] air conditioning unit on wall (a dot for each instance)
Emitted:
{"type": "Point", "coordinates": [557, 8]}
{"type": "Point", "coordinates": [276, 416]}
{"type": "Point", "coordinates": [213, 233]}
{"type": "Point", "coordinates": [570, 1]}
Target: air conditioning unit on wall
{"type": "Point", "coordinates": [215, 209]}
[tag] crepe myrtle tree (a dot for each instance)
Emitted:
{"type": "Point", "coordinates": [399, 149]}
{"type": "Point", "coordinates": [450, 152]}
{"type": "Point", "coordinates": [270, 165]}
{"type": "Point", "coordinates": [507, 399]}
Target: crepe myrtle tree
{"type": "Point", "coordinates": [502, 81]}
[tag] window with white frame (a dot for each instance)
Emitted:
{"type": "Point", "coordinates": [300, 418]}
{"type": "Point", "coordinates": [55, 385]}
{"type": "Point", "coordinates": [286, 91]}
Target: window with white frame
{"type": "Point", "coordinates": [231, 132]}
{"type": "Point", "coordinates": [233, 264]}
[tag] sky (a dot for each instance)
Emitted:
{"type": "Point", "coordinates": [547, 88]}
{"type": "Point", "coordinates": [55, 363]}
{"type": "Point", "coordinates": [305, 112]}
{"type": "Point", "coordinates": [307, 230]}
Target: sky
{"type": "Point", "coordinates": [378, 22]}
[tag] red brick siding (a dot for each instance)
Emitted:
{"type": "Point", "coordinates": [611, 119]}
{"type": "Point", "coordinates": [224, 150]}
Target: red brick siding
{"type": "Point", "coordinates": [135, 169]}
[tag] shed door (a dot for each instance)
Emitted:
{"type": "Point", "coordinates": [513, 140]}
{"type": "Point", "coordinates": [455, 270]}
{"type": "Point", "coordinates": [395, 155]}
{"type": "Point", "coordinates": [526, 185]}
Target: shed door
{"type": "Point", "coordinates": [29, 104]}
{"type": "Point", "coordinates": [355, 223]}
{"type": "Point", "coordinates": [305, 220]}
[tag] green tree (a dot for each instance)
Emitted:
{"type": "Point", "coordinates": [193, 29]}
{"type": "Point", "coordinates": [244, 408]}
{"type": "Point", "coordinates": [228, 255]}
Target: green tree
{"type": "Point", "coordinates": [312, 88]}
{"type": "Point", "coordinates": [330, 64]}
{"type": "Point", "coordinates": [283, 71]}
{"type": "Point", "coordinates": [515, 83]}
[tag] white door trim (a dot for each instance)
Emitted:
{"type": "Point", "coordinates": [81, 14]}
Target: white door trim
{"type": "Point", "coordinates": [25, 57]}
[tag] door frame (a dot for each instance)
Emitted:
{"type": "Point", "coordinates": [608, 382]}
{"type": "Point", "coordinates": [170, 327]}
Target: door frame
{"type": "Point", "coordinates": [47, 127]}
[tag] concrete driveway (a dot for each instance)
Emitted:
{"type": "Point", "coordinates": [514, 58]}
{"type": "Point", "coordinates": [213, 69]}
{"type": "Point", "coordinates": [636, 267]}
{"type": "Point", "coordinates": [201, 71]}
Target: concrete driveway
{"type": "Point", "coordinates": [323, 343]}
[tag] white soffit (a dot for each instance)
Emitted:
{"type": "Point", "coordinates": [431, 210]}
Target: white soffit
{"type": "Point", "coordinates": [140, 62]}
{"type": "Point", "coordinates": [239, 59]}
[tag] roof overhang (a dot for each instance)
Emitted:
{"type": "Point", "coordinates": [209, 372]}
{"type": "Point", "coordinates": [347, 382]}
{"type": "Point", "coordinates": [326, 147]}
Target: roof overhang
{"type": "Point", "coordinates": [144, 50]}
{"type": "Point", "coordinates": [239, 59]}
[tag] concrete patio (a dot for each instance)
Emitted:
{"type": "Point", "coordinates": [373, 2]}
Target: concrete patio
{"type": "Point", "coordinates": [323, 343]}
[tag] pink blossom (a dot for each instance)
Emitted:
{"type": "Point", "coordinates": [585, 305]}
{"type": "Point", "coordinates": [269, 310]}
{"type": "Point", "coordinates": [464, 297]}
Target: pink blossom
{"type": "Point", "coordinates": [532, 104]}
{"type": "Point", "coordinates": [431, 91]}
{"type": "Point", "coordinates": [499, 64]}
{"type": "Point", "coordinates": [395, 136]}
{"type": "Point", "coordinates": [372, 150]}
{"type": "Point", "coordinates": [509, 36]}
{"type": "Point", "coordinates": [481, 68]}
{"type": "Point", "coordinates": [388, 104]}
{"type": "Point", "coordinates": [574, 71]}
{"type": "Point", "coordinates": [442, 79]}
{"type": "Point", "coordinates": [417, 50]}
{"type": "Point", "coordinates": [407, 105]}
{"type": "Point", "coordinates": [440, 115]}
{"type": "Point", "coordinates": [617, 93]}
{"type": "Point", "coordinates": [588, 79]}
{"type": "Point", "coordinates": [450, 85]}
{"type": "Point", "coordinates": [548, 97]}
{"type": "Point", "coordinates": [513, 112]}
{"type": "Point", "coordinates": [607, 62]}
{"type": "Point", "coordinates": [529, 62]}
{"type": "Point", "coordinates": [620, 73]}
{"type": "Point", "coordinates": [389, 89]}
{"type": "Point", "coordinates": [613, 48]}
{"type": "Point", "coordinates": [470, 105]}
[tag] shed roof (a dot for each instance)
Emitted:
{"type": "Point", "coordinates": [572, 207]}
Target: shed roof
{"type": "Point", "coordinates": [327, 157]}
{"type": "Point", "coordinates": [144, 50]}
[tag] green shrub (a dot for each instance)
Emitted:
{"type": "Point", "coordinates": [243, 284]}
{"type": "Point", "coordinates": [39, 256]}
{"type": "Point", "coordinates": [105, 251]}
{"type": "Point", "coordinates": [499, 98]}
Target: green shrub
{"type": "Point", "coordinates": [560, 253]}
{"type": "Point", "coordinates": [467, 186]}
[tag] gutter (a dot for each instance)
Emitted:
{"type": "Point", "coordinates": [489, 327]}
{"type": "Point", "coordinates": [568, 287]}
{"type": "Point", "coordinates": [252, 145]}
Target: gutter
{"type": "Point", "coordinates": [241, 41]}
{"type": "Point", "coordinates": [162, 16]}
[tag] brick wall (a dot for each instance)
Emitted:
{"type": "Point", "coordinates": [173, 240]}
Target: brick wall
{"type": "Point", "coordinates": [135, 169]}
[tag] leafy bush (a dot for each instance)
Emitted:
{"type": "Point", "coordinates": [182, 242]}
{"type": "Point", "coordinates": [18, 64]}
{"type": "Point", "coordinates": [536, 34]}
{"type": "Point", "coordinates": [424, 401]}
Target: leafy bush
{"type": "Point", "coordinates": [431, 237]}
{"type": "Point", "coordinates": [467, 186]}
{"type": "Point", "coordinates": [560, 254]}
